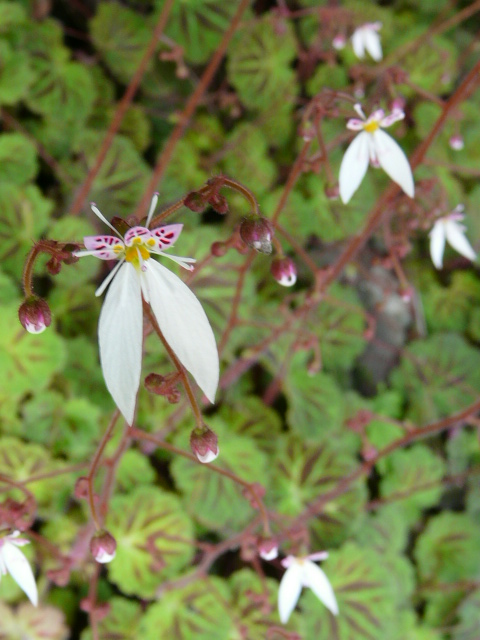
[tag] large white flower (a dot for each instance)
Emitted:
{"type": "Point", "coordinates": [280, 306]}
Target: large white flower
{"type": "Point", "coordinates": [179, 314]}
{"type": "Point", "coordinates": [366, 38]}
{"type": "Point", "coordinates": [302, 572]}
{"type": "Point", "coordinates": [449, 229]}
{"type": "Point", "coordinates": [13, 561]}
{"type": "Point", "coordinates": [372, 145]}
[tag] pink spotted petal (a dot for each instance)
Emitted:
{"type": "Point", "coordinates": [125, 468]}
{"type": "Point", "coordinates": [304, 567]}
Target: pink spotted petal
{"type": "Point", "coordinates": [395, 116]}
{"type": "Point", "coordinates": [167, 235]}
{"type": "Point", "coordinates": [104, 247]}
{"type": "Point", "coordinates": [355, 125]}
{"type": "Point", "coordinates": [136, 232]}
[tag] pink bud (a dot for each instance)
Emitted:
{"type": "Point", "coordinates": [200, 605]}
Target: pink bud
{"type": "Point", "coordinates": [195, 202]}
{"type": "Point", "coordinates": [35, 315]}
{"type": "Point", "coordinates": [284, 271]}
{"type": "Point", "coordinates": [332, 191]}
{"type": "Point", "coordinates": [456, 142]}
{"type": "Point", "coordinates": [103, 547]}
{"type": "Point", "coordinates": [257, 233]}
{"type": "Point", "coordinates": [268, 549]}
{"type": "Point", "coordinates": [204, 444]}
{"type": "Point", "coordinates": [339, 42]}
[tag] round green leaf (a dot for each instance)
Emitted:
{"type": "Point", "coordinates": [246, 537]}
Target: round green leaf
{"type": "Point", "coordinates": [121, 623]}
{"type": "Point", "coordinates": [154, 540]}
{"type": "Point", "coordinates": [254, 601]}
{"type": "Point", "coordinates": [32, 623]}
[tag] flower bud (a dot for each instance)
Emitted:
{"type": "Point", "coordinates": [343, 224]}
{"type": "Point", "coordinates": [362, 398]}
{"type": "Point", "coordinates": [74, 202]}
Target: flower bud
{"type": "Point", "coordinates": [204, 444]}
{"type": "Point", "coordinates": [218, 249]}
{"type": "Point", "coordinates": [332, 191]}
{"type": "Point", "coordinates": [34, 315]}
{"type": "Point", "coordinates": [456, 142]}
{"type": "Point", "coordinates": [284, 271]}
{"type": "Point", "coordinates": [339, 42]}
{"type": "Point", "coordinates": [81, 488]}
{"type": "Point", "coordinates": [103, 547]}
{"type": "Point", "coordinates": [257, 233]}
{"type": "Point", "coordinates": [195, 202]}
{"type": "Point", "coordinates": [268, 549]}
{"type": "Point", "coordinates": [218, 203]}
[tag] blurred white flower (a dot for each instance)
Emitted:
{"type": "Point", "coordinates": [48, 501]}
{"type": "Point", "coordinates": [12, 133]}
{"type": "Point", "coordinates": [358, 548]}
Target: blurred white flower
{"type": "Point", "coordinates": [372, 145]}
{"type": "Point", "coordinates": [177, 311]}
{"type": "Point", "coordinates": [448, 229]}
{"type": "Point", "coordinates": [366, 38]}
{"type": "Point", "coordinates": [13, 561]}
{"type": "Point", "coordinates": [302, 572]}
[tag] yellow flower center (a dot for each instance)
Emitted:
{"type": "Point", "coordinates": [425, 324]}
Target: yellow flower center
{"type": "Point", "coordinates": [372, 126]}
{"type": "Point", "coordinates": [131, 253]}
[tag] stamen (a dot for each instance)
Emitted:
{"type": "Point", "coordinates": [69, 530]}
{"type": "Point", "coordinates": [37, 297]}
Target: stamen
{"type": "Point", "coordinates": [100, 215]}
{"type": "Point", "coordinates": [153, 206]}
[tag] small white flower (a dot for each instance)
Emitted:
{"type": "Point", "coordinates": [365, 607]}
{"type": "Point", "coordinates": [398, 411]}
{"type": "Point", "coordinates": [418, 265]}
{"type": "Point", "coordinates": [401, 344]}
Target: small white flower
{"type": "Point", "coordinates": [177, 311]}
{"type": "Point", "coordinates": [449, 229]}
{"type": "Point", "coordinates": [302, 572]}
{"type": "Point", "coordinates": [372, 145]}
{"type": "Point", "coordinates": [13, 561]}
{"type": "Point", "coordinates": [366, 38]}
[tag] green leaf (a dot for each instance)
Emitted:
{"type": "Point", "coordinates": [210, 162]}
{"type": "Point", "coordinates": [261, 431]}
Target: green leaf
{"type": "Point", "coordinates": [448, 549]}
{"type": "Point", "coordinates": [121, 623]}
{"type": "Point", "coordinates": [366, 596]}
{"type": "Point", "coordinates": [121, 36]}
{"type": "Point", "coordinates": [254, 602]}
{"type": "Point", "coordinates": [198, 611]}
{"type": "Point", "coordinates": [303, 474]}
{"type": "Point", "coordinates": [8, 290]}
{"type": "Point", "coordinates": [154, 540]}
{"type": "Point", "coordinates": [386, 531]}
{"type": "Point", "coordinates": [260, 64]}
{"type": "Point", "coordinates": [413, 479]}
{"type": "Point", "coordinates": [198, 25]}
{"type": "Point", "coordinates": [18, 159]}
{"type": "Point", "coordinates": [469, 618]}
{"type": "Point", "coordinates": [27, 361]}
{"type": "Point", "coordinates": [121, 179]}
{"type": "Point", "coordinates": [213, 499]}
{"type": "Point", "coordinates": [438, 375]}
{"type": "Point", "coordinates": [15, 74]}
{"type": "Point", "coordinates": [134, 469]}
{"type": "Point", "coordinates": [32, 623]}
{"type": "Point", "coordinates": [23, 218]}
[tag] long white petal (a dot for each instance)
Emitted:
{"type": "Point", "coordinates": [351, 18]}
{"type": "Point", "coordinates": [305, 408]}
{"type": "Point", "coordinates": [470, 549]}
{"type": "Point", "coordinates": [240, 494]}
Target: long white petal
{"type": "Point", "coordinates": [289, 591]}
{"type": "Point", "coordinates": [120, 332]}
{"type": "Point", "coordinates": [455, 234]}
{"type": "Point", "coordinates": [318, 582]}
{"type": "Point", "coordinates": [18, 567]}
{"type": "Point", "coordinates": [393, 161]}
{"type": "Point", "coordinates": [354, 166]}
{"type": "Point", "coordinates": [184, 325]}
{"type": "Point", "coordinates": [358, 43]}
{"type": "Point", "coordinates": [372, 44]}
{"type": "Point", "coordinates": [437, 243]}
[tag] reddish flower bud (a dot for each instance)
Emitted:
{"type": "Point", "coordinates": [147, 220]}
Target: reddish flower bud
{"type": "Point", "coordinates": [103, 546]}
{"type": "Point", "coordinates": [219, 203]}
{"type": "Point", "coordinates": [456, 142]}
{"type": "Point", "coordinates": [81, 488]}
{"type": "Point", "coordinates": [332, 191]}
{"type": "Point", "coordinates": [195, 202]}
{"type": "Point", "coordinates": [284, 271]}
{"type": "Point", "coordinates": [204, 444]}
{"type": "Point", "coordinates": [34, 315]}
{"type": "Point", "coordinates": [163, 386]}
{"type": "Point", "coordinates": [268, 549]}
{"type": "Point", "coordinates": [218, 249]}
{"type": "Point", "coordinates": [257, 233]}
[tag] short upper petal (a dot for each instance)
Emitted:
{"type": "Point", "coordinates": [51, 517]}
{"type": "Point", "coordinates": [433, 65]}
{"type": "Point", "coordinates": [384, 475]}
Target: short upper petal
{"type": "Point", "coordinates": [120, 335]}
{"type": "Point", "coordinates": [184, 325]}
{"type": "Point", "coordinates": [393, 161]}
{"type": "Point", "coordinates": [18, 567]}
{"type": "Point", "coordinates": [437, 243]}
{"type": "Point", "coordinates": [289, 591]}
{"type": "Point", "coordinates": [354, 166]}
{"type": "Point", "coordinates": [455, 234]}
{"type": "Point", "coordinates": [318, 582]}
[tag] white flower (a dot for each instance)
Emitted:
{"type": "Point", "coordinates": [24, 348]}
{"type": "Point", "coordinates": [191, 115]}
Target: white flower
{"type": "Point", "coordinates": [366, 38]}
{"type": "Point", "coordinates": [13, 561]}
{"type": "Point", "coordinates": [177, 311]}
{"type": "Point", "coordinates": [302, 572]}
{"type": "Point", "coordinates": [377, 147]}
{"type": "Point", "coordinates": [449, 229]}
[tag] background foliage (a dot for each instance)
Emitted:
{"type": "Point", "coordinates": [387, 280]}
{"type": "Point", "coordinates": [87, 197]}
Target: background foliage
{"type": "Point", "coordinates": [323, 397]}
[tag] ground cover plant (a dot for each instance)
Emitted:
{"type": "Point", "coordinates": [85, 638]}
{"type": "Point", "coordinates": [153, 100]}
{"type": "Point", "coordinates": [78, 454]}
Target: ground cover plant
{"type": "Point", "coordinates": [239, 344]}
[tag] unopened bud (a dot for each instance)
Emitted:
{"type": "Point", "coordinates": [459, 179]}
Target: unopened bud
{"type": "Point", "coordinates": [332, 191]}
{"type": "Point", "coordinates": [268, 549]}
{"type": "Point", "coordinates": [103, 547]}
{"type": "Point", "coordinates": [456, 142]}
{"type": "Point", "coordinates": [34, 315]}
{"type": "Point", "coordinates": [218, 249]}
{"type": "Point", "coordinates": [339, 42]}
{"type": "Point", "coordinates": [204, 444]}
{"type": "Point", "coordinates": [219, 203]}
{"type": "Point", "coordinates": [81, 488]}
{"type": "Point", "coordinates": [195, 202]}
{"type": "Point", "coordinates": [257, 233]}
{"type": "Point", "coordinates": [284, 271]}
{"type": "Point", "coordinates": [53, 266]}
{"type": "Point", "coordinates": [163, 386]}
